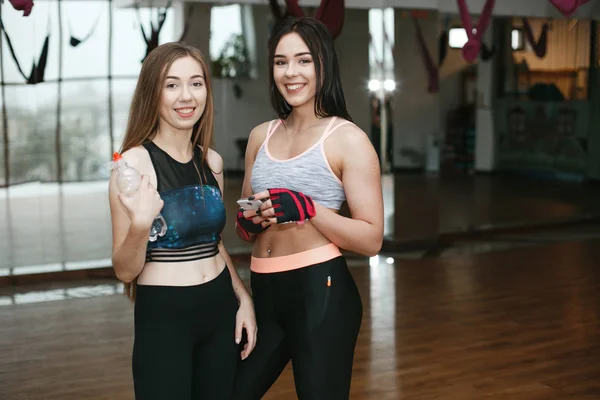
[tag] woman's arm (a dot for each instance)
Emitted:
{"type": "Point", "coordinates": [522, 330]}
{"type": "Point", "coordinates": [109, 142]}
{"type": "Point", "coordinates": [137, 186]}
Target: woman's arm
{"type": "Point", "coordinates": [255, 140]}
{"type": "Point", "coordinates": [132, 218]}
{"type": "Point", "coordinates": [361, 178]}
{"type": "Point", "coordinates": [245, 317]}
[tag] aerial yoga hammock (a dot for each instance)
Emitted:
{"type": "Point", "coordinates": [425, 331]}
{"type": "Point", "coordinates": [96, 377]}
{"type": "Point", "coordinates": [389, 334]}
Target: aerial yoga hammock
{"type": "Point", "coordinates": [486, 52]}
{"type": "Point", "coordinates": [22, 5]}
{"type": "Point", "coordinates": [37, 70]}
{"type": "Point", "coordinates": [541, 45]}
{"type": "Point", "coordinates": [471, 49]}
{"type": "Point", "coordinates": [443, 42]}
{"type": "Point", "coordinates": [73, 41]}
{"type": "Point", "coordinates": [567, 7]}
{"type": "Point", "coordinates": [152, 41]}
{"type": "Point", "coordinates": [330, 13]}
{"type": "Point", "coordinates": [433, 76]}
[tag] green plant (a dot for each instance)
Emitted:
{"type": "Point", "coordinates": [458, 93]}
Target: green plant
{"type": "Point", "coordinates": [233, 61]}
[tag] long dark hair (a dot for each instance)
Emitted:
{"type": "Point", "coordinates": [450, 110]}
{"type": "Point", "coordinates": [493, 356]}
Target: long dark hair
{"type": "Point", "coordinates": [329, 98]}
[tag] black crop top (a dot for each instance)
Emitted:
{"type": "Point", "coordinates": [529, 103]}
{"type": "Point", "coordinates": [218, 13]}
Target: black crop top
{"type": "Point", "coordinates": [193, 209]}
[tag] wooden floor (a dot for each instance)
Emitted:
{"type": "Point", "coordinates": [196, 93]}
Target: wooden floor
{"type": "Point", "coordinates": [516, 324]}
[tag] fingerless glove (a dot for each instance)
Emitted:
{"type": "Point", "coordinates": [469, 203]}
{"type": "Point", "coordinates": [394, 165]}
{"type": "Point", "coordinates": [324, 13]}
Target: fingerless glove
{"type": "Point", "coordinates": [291, 206]}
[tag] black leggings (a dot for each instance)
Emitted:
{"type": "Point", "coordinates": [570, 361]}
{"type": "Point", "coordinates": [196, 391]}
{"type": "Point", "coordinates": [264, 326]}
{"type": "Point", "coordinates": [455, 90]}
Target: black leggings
{"type": "Point", "coordinates": [184, 344]}
{"type": "Point", "coordinates": [301, 318]}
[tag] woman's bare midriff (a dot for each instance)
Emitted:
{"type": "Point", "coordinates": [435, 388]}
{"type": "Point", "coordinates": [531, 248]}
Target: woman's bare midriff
{"type": "Point", "coordinates": [185, 273]}
{"type": "Point", "coordinates": [287, 239]}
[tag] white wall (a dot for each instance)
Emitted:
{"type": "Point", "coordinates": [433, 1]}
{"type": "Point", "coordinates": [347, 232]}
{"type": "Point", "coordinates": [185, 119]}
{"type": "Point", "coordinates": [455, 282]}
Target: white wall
{"type": "Point", "coordinates": [416, 113]}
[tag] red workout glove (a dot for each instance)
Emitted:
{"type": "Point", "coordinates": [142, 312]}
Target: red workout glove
{"type": "Point", "coordinates": [247, 226]}
{"type": "Point", "coordinates": [291, 206]}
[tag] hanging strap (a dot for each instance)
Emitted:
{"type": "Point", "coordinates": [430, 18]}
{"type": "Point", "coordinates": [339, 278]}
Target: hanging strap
{"type": "Point", "coordinates": [471, 49]}
{"type": "Point", "coordinates": [152, 41]}
{"type": "Point", "coordinates": [37, 70]}
{"type": "Point", "coordinates": [22, 5]}
{"type": "Point", "coordinates": [74, 42]}
{"type": "Point", "coordinates": [486, 52]}
{"type": "Point", "coordinates": [276, 10]}
{"type": "Point", "coordinates": [567, 7]}
{"type": "Point", "coordinates": [12, 50]}
{"type": "Point", "coordinates": [294, 9]}
{"type": "Point", "coordinates": [443, 42]}
{"type": "Point", "coordinates": [433, 84]}
{"type": "Point", "coordinates": [330, 13]}
{"type": "Point", "coordinates": [541, 45]}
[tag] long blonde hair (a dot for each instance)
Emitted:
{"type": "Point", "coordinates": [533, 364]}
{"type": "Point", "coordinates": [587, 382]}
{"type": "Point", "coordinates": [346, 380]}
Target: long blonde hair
{"type": "Point", "coordinates": [143, 120]}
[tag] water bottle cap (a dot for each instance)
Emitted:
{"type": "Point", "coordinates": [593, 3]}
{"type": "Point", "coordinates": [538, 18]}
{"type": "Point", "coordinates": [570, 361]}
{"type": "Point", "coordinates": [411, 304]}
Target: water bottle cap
{"type": "Point", "coordinates": [116, 156]}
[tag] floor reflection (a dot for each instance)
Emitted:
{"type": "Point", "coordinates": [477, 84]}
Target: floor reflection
{"type": "Point", "coordinates": [50, 226]}
{"type": "Point", "coordinates": [47, 295]}
{"type": "Point", "coordinates": [382, 313]}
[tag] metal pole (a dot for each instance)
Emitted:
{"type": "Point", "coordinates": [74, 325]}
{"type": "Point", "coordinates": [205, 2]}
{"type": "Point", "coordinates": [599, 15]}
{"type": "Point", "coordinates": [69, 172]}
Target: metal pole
{"type": "Point", "coordinates": [383, 109]}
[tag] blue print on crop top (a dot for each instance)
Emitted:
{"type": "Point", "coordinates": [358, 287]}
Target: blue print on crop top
{"type": "Point", "coordinates": [194, 215]}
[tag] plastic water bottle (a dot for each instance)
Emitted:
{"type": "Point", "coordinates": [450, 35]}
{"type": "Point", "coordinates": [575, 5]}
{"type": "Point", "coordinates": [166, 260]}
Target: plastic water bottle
{"type": "Point", "coordinates": [128, 181]}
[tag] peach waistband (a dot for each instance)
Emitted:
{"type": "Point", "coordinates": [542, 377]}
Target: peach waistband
{"type": "Point", "coordinates": [290, 262]}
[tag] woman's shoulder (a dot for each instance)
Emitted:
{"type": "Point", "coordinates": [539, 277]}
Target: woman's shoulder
{"type": "Point", "coordinates": [136, 156]}
{"type": "Point", "coordinates": [260, 131]}
{"type": "Point", "coordinates": [348, 142]}
{"type": "Point", "coordinates": [213, 158]}
{"type": "Point", "coordinates": [135, 152]}
{"type": "Point", "coordinates": [346, 131]}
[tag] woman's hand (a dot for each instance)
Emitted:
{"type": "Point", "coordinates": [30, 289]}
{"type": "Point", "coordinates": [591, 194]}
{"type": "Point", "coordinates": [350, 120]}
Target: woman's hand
{"type": "Point", "coordinates": [246, 319]}
{"type": "Point", "coordinates": [264, 216]}
{"type": "Point", "coordinates": [144, 205]}
{"type": "Point", "coordinates": [247, 226]}
{"type": "Point", "coordinates": [281, 206]}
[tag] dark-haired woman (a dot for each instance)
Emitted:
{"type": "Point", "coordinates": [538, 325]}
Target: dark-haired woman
{"type": "Point", "coordinates": [304, 166]}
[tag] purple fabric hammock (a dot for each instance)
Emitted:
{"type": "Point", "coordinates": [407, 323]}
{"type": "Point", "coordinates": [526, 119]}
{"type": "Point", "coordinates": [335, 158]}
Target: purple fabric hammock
{"type": "Point", "coordinates": [567, 7]}
{"type": "Point", "coordinates": [541, 46]}
{"type": "Point", "coordinates": [330, 12]}
{"type": "Point", "coordinates": [471, 49]}
{"type": "Point", "coordinates": [433, 77]}
{"type": "Point", "coordinates": [22, 5]}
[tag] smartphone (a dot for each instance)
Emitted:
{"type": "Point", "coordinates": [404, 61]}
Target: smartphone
{"type": "Point", "coordinates": [249, 204]}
